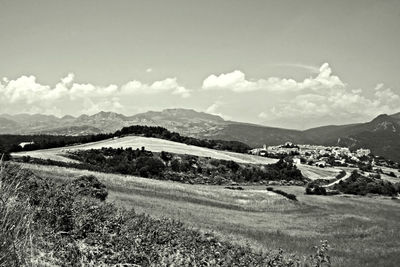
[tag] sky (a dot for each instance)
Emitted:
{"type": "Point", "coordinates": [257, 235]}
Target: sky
{"type": "Point", "coordinates": [292, 64]}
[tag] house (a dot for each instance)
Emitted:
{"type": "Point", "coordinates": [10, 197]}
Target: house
{"type": "Point", "coordinates": [296, 161]}
{"type": "Point", "coordinates": [23, 144]}
{"type": "Point", "coordinates": [320, 164]}
{"type": "Point", "coordinates": [363, 152]}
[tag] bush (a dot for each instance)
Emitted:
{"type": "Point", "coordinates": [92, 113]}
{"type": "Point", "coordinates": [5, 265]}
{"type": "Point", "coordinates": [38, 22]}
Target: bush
{"type": "Point", "coordinates": [89, 185]}
{"type": "Point", "coordinates": [287, 195]}
{"type": "Point", "coordinates": [357, 184]}
{"type": "Point", "coordinates": [314, 189]}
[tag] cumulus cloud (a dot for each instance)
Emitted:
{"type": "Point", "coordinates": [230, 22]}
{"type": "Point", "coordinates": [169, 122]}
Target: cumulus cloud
{"type": "Point", "coordinates": [236, 81]}
{"type": "Point", "coordinates": [25, 94]}
{"type": "Point", "coordinates": [320, 99]}
{"type": "Point", "coordinates": [214, 109]}
{"type": "Point", "coordinates": [335, 105]}
{"type": "Point", "coordinates": [167, 85]}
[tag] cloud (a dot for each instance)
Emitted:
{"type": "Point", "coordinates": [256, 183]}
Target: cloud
{"type": "Point", "coordinates": [310, 68]}
{"type": "Point", "coordinates": [263, 115]}
{"type": "Point", "coordinates": [334, 106]}
{"type": "Point", "coordinates": [25, 94]}
{"type": "Point", "coordinates": [166, 85]}
{"type": "Point", "coordinates": [214, 107]}
{"type": "Point", "coordinates": [68, 79]}
{"type": "Point", "coordinates": [149, 70]}
{"type": "Point", "coordinates": [236, 81]}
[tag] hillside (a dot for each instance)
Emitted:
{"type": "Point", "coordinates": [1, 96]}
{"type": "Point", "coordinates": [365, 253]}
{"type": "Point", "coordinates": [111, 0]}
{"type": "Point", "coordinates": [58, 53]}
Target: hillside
{"type": "Point", "coordinates": [381, 135]}
{"type": "Point", "coordinates": [184, 121]}
{"type": "Point", "coordinates": [158, 145]}
{"type": "Point", "coordinates": [152, 144]}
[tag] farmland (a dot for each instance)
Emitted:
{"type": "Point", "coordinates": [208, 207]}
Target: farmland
{"type": "Point", "coordinates": [152, 144]}
{"type": "Point", "coordinates": [158, 145]}
{"type": "Point", "coordinates": [362, 231]}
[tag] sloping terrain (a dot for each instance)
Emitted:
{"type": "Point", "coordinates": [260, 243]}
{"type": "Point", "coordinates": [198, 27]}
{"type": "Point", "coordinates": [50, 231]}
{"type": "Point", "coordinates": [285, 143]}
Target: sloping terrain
{"type": "Point", "coordinates": [152, 144]}
{"type": "Point", "coordinates": [362, 231]}
{"type": "Point", "coordinates": [184, 121]}
{"type": "Point", "coordinates": [158, 145]}
{"type": "Point", "coordinates": [381, 135]}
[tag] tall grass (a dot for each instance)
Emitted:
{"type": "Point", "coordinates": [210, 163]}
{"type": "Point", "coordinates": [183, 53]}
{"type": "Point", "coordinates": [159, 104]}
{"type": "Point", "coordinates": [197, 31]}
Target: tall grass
{"type": "Point", "coordinates": [15, 223]}
{"type": "Point", "coordinates": [48, 224]}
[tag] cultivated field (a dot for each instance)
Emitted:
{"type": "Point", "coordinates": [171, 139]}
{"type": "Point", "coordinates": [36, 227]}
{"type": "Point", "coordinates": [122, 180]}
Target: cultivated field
{"type": "Point", "coordinates": [152, 144]}
{"type": "Point", "coordinates": [363, 231]}
{"type": "Point", "coordinates": [158, 145]}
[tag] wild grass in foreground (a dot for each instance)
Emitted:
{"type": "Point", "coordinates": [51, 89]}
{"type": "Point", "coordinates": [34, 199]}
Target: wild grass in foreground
{"type": "Point", "coordinates": [45, 224]}
{"type": "Point", "coordinates": [362, 231]}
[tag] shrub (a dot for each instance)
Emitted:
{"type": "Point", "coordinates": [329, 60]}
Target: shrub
{"type": "Point", "coordinates": [89, 185]}
{"type": "Point", "coordinates": [314, 189]}
{"type": "Point", "coordinates": [287, 195]}
{"type": "Point", "coordinates": [357, 184]}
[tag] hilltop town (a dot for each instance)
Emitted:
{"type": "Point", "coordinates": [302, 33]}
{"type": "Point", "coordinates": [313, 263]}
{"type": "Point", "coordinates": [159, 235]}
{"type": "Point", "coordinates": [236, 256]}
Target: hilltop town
{"type": "Point", "coordinates": [323, 156]}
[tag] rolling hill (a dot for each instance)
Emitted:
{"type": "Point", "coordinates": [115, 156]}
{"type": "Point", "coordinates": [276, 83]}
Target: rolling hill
{"type": "Point", "coordinates": [158, 145]}
{"type": "Point", "coordinates": [381, 135]}
{"type": "Point", "coordinates": [152, 144]}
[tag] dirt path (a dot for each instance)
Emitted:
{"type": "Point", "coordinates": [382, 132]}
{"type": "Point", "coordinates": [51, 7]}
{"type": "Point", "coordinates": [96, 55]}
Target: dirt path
{"type": "Point", "coordinates": [338, 181]}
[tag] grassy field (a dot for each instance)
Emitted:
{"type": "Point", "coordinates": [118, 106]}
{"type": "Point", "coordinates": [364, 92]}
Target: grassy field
{"type": "Point", "coordinates": [152, 144]}
{"type": "Point", "coordinates": [158, 145]}
{"type": "Point", "coordinates": [363, 231]}
{"type": "Point", "coordinates": [313, 172]}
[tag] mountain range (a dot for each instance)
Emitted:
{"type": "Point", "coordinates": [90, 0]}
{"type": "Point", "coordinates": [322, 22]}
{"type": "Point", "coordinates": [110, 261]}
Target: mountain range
{"type": "Point", "coordinates": [381, 135]}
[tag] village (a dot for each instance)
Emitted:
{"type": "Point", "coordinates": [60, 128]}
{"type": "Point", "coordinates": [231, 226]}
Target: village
{"type": "Point", "coordinates": [320, 156]}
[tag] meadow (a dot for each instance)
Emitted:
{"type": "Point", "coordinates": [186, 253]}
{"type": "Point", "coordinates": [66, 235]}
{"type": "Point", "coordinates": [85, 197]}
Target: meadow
{"type": "Point", "coordinates": [152, 144]}
{"type": "Point", "coordinates": [362, 231]}
{"type": "Point", "coordinates": [158, 145]}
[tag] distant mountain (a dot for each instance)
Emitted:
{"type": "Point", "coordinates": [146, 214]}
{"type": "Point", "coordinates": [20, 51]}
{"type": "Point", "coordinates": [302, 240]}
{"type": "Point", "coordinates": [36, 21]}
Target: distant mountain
{"type": "Point", "coordinates": [185, 121]}
{"type": "Point", "coordinates": [381, 135]}
{"type": "Point", "coordinates": [6, 124]}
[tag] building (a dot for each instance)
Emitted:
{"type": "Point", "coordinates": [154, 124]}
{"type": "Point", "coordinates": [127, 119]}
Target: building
{"type": "Point", "coordinates": [296, 161]}
{"type": "Point", "coordinates": [23, 144]}
{"type": "Point", "coordinates": [363, 152]}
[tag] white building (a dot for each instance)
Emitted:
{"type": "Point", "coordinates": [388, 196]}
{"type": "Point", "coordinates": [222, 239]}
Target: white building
{"type": "Point", "coordinates": [23, 144]}
{"type": "Point", "coordinates": [363, 152]}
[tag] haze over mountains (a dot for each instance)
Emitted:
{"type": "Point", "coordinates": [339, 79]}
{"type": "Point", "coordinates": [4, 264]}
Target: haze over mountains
{"type": "Point", "coordinates": [381, 135]}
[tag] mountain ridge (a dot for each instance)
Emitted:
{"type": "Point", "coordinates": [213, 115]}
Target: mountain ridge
{"type": "Point", "coordinates": [381, 134]}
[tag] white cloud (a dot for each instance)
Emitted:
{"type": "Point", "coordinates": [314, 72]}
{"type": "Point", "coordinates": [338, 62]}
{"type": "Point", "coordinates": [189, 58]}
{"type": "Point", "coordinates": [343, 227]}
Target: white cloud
{"type": "Point", "coordinates": [338, 104]}
{"type": "Point", "coordinates": [310, 68]}
{"type": "Point", "coordinates": [167, 85]}
{"type": "Point", "coordinates": [214, 109]}
{"type": "Point", "coordinates": [68, 79]}
{"type": "Point", "coordinates": [149, 70]}
{"type": "Point", "coordinates": [263, 115]}
{"type": "Point", "coordinates": [236, 81]}
{"type": "Point", "coordinates": [25, 94]}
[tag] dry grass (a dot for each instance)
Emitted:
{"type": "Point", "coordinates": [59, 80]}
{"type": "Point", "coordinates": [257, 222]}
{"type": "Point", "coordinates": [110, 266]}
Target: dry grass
{"type": "Point", "coordinates": [362, 231]}
{"type": "Point", "coordinates": [15, 224]}
{"type": "Point", "coordinates": [152, 144]}
{"type": "Point", "coordinates": [313, 172]}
